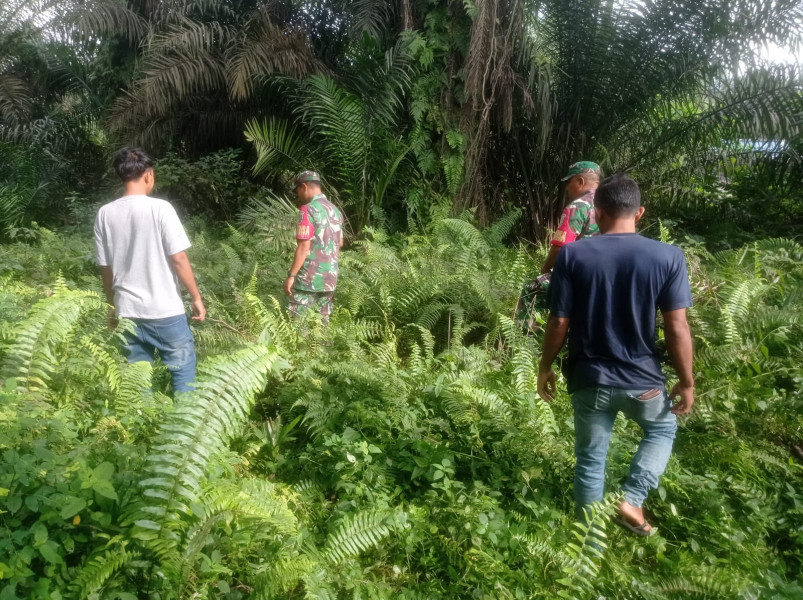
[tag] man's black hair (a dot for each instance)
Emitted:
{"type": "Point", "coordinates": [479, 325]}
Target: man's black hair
{"type": "Point", "coordinates": [618, 195]}
{"type": "Point", "coordinates": [131, 163]}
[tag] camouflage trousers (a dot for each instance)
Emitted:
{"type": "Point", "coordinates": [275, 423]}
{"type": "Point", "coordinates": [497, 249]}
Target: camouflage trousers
{"type": "Point", "coordinates": [533, 298]}
{"type": "Point", "coordinates": [301, 301]}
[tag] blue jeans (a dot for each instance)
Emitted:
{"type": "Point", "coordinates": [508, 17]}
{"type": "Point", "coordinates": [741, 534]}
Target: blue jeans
{"type": "Point", "coordinates": [173, 339]}
{"type": "Point", "coordinates": [595, 409]}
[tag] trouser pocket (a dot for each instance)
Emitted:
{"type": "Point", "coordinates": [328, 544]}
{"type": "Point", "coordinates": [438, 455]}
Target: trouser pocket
{"type": "Point", "coordinates": [645, 395]}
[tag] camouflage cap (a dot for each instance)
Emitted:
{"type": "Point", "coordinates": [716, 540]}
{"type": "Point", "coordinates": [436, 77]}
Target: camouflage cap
{"type": "Point", "coordinates": [307, 176]}
{"type": "Point", "coordinates": [584, 166]}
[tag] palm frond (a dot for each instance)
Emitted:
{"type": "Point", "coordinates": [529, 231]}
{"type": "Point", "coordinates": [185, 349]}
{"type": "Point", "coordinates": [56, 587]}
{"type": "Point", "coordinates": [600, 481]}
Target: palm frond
{"type": "Point", "coordinates": [15, 99]}
{"type": "Point", "coordinates": [336, 116]}
{"type": "Point", "coordinates": [279, 146]}
{"type": "Point", "coordinates": [266, 50]}
{"type": "Point", "coordinates": [104, 18]}
{"type": "Point", "coordinates": [371, 16]}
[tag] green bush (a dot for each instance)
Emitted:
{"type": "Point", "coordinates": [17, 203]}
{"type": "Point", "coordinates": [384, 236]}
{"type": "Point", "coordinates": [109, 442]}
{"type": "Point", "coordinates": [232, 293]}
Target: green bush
{"type": "Point", "coordinates": [213, 185]}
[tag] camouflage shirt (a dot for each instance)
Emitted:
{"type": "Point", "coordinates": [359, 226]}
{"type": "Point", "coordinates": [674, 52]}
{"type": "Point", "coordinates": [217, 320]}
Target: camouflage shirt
{"type": "Point", "coordinates": [578, 221]}
{"type": "Point", "coordinates": [321, 222]}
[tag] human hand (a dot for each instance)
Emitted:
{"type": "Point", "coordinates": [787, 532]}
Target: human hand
{"type": "Point", "coordinates": [547, 382]}
{"type": "Point", "coordinates": [111, 318]}
{"type": "Point", "coordinates": [288, 286]}
{"type": "Point", "coordinates": [198, 310]}
{"type": "Point", "coordinates": [686, 394]}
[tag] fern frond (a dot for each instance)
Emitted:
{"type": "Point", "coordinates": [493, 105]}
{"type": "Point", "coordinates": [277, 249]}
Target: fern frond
{"type": "Point", "coordinates": [460, 231]}
{"type": "Point", "coordinates": [586, 551]}
{"type": "Point", "coordinates": [277, 327]}
{"type": "Point", "coordinates": [693, 588]}
{"type": "Point", "coordinates": [101, 567]}
{"type": "Point", "coordinates": [106, 363]}
{"type": "Point", "coordinates": [200, 426]}
{"type": "Point", "coordinates": [525, 373]}
{"type": "Point", "coordinates": [540, 549]}
{"type": "Point", "coordinates": [283, 574]}
{"type": "Point", "coordinates": [360, 532]}
{"type": "Point", "coordinates": [31, 357]}
{"type": "Point", "coordinates": [501, 228]}
{"type": "Point", "coordinates": [487, 399]}
{"type": "Point", "coordinates": [254, 500]}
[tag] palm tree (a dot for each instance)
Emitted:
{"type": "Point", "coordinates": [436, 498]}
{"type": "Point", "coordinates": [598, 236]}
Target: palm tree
{"type": "Point", "coordinates": [350, 136]}
{"type": "Point", "coordinates": [48, 116]}
{"type": "Point", "coordinates": [26, 74]}
{"type": "Point", "coordinates": [202, 67]}
{"type": "Point", "coordinates": [636, 86]}
{"type": "Point", "coordinates": [497, 97]}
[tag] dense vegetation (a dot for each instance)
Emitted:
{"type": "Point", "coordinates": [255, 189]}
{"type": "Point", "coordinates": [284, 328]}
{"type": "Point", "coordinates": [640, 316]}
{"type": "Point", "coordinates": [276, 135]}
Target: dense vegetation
{"type": "Point", "coordinates": [401, 452]}
{"type": "Point", "coordinates": [408, 108]}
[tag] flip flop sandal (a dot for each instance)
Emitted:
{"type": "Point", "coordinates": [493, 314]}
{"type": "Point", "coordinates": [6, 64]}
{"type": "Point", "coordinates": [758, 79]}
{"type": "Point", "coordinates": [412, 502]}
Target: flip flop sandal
{"type": "Point", "coordinates": [637, 529]}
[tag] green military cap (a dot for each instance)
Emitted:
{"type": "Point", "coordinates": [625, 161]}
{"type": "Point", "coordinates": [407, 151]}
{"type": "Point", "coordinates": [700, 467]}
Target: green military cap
{"type": "Point", "coordinates": [307, 176]}
{"type": "Point", "coordinates": [584, 166]}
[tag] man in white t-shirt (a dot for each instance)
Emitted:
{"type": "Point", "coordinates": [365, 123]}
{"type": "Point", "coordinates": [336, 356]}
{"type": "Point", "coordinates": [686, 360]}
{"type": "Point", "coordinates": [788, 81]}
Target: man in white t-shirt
{"type": "Point", "coordinates": [141, 247]}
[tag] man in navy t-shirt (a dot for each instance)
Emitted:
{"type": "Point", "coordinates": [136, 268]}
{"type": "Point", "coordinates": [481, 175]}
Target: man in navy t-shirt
{"type": "Point", "coordinates": [606, 291]}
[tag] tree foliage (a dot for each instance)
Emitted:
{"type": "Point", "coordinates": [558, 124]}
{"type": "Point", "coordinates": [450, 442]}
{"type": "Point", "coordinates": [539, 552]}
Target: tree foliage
{"type": "Point", "coordinates": [414, 109]}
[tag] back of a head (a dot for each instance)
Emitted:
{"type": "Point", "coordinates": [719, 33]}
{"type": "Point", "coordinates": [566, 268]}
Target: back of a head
{"type": "Point", "coordinates": [618, 196]}
{"type": "Point", "coordinates": [131, 163]}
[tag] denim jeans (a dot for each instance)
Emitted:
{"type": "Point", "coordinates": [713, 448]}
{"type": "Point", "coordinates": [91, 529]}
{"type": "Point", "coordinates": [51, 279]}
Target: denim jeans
{"type": "Point", "coordinates": [173, 339]}
{"type": "Point", "coordinates": [595, 409]}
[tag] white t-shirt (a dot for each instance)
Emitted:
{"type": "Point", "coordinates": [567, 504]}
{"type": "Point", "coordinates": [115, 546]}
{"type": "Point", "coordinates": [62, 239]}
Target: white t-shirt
{"type": "Point", "coordinates": [135, 236]}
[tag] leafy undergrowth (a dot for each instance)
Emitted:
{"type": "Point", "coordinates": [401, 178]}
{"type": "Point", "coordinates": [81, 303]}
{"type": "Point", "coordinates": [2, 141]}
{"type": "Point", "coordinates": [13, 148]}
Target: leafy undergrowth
{"type": "Point", "coordinates": [401, 452]}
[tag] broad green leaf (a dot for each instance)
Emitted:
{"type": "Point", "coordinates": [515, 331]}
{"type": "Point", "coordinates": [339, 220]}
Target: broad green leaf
{"type": "Point", "coordinates": [39, 533]}
{"type": "Point", "coordinates": [71, 507]}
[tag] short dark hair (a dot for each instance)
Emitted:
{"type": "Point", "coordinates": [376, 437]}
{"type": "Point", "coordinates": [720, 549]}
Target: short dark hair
{"type": "Point", "coordinates": [131, 163]}
{"type": "Point", "coordinates": [618, 195]}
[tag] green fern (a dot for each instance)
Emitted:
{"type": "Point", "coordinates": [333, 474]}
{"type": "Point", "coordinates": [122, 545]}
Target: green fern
{"type": "Point", "coordinates": [461, 231]}
{"type": "Point", "coordinates": [105, 362]}
{"type": "Point", "coordinates": [360, 532]}
{"type": "Point", "coordinates": [283, 574]}
{"type": "Point", "coordinates": [32, 355]}
{"type": "Point", "coordinates": [501, 228]}
{"type": "Point", "coordinates": [98, 570]}
{"type": "Point", "coordinates": [199, 427]}
{"type": "Point", "coordinates": [276, 325]}
{"type": "Point", "coordinates": [525, 374]}
{"type": "Point", "coordinates": [586, 550]}
{"type": "Point", "coordinates": [254, 500]}
{"type": "Point", "coordinates": [682, 588]}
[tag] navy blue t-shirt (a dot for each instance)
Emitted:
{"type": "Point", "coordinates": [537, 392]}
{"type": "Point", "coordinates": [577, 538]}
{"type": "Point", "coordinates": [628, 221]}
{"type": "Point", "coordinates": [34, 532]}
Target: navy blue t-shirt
{"type": "Point", "coordinates": [611, 287]}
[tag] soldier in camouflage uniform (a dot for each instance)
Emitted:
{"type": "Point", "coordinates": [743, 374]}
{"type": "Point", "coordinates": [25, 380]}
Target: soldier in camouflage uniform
{"type": "Point", "coordinates": [312, 278]}
{"type": "Point", "coordinates": [576, 222]}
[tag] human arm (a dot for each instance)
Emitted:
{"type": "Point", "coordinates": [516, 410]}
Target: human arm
{"type": "Point", "coordinates": [679, 346]}
{"type": "Point", "coordinates": [108, 289]}
{"type": "Point", "coordinates": [175, 243]}
{"type": "Point", "coordinates": [550, 258]}
{"type": "Point", "coordinates": [302, 252]}
{"type": "Point", "coordinates": [181, 266]}
{"type": "Point", "coordinates": [561, 303]}
{"type": "Point", "coordinates": [569, 229]}
{"type": "Point", "coordinates": [557, 328]}
{"type": "Point", "coordinates": [105, 269]}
